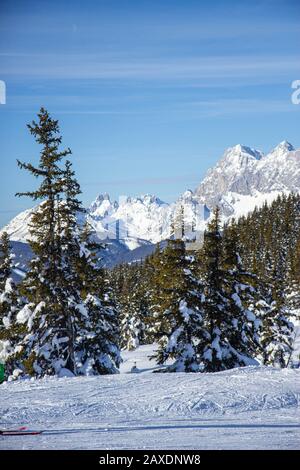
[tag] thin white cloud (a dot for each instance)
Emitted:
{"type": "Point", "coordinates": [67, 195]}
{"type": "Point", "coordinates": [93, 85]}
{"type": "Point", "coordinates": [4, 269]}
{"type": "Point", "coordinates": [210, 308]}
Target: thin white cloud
{"type": "Point", "coordinates": [171, 111]}
{"type": "Point", "coordinates": [194, 68]}
{"type": "Point", "coordinates": [223, 107]}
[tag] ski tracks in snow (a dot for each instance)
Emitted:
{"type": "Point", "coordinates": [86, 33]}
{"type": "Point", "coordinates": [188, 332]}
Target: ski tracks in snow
{"type": "Point", "coordinates": [253, 407]}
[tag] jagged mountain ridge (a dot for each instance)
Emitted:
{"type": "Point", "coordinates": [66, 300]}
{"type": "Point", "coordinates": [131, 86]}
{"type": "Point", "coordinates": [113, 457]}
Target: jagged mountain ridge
{"type": "Point", "coordinates": [242, 178]}
{"type": "Point", "coordinates": [132, 221]}
{"type": "Point", "coordinates": [143, 218]}
{"type": "Point", "coordinates": [244, 173]}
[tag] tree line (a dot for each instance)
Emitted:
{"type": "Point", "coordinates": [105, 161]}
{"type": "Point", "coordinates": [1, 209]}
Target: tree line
{"type": "Point", "coordinates": [232, 303]}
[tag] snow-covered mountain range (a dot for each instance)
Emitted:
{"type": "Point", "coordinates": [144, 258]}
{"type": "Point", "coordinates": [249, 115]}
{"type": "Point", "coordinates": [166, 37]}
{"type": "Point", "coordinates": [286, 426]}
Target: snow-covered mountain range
{"type": "Point", "coordinates": [133, 220]}
{"type": "Point", "coordinates": [245, 177]}
{"type": "Point", "coordinates": [242, 179]}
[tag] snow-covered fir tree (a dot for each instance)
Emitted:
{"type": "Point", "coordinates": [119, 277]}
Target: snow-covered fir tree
{"type": "Point", "coordinates": [216, 303]}
{"type": "Point", "coordinates": [97, 334]}
{"type": "Point", "coordinates": [232, 327]}
{"type": "Point", "coordinates": [128, 286]}
{"type": "Point", "coordinates": [277, 329]}
{"type": "Point", "coordinates": [59, 309]}
{"type": "Point", "coordinates": [178, 315]}
{"type": "Point", "coordinates": [5, 260]}
{"type": "Point", "coordinates": [242, 324]}
{"type": "Point", "coordinates": [6, 293]}
{"type": "Point", "coordinates": [10, 331]}
{"type": "Point", "coordinates": [46, 346]}
{"type": "Point", "coordinates": [149, 293]}
{"type": "Point", "coordinates": [293, 294]}
{"type": "Point", "coordinates": [132, 326]}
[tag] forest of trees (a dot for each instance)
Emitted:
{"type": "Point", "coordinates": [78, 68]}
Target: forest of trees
{"type": "Point", "coordinates": [231, 303]}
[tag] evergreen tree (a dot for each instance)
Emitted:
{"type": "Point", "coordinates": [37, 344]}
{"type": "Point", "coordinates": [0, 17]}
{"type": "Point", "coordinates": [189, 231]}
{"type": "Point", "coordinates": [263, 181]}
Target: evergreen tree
{"type": "Point", "coordinates": [216, 304]}
{"type": "Point", "coordinates": [277, 331]}
{"type": "Point", "coordinates": [128, 286]}
{"type": "Point", "coordinates": [145, 291]}
{"type": "Point", "coordinates": [66, 325]}
{"type": "Point", "coordinates": [131, 329]}
{"type": "Point", "coordinates": [293, 292]}
{"type": "Point", "coordinates": [232, 327]}
{"type": "Point", "coordinates": [47, 346]}
{"type": "Point", "coordinates": [178, 317]}
{"type": "Point", "coordinates": [97, 329]}
{"type": "Point", "coordinates": [10, 331]}
{"type": "Point", "coordinates": [241, 288]}
{"type": "Point", "coordinates": [5, 260]}
{"type": "Point", "coordinates": [6, 283]}
{"type": "Point", "coordinates": [6, 291]}
{"type": "Point", "coordinates": [92, 311]}
{"type": "Point", "coordinates": [150, 292]}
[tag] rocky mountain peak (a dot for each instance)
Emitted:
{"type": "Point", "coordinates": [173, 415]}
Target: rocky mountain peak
{"type": "Point", "coordinates": [282, 148]}
{"type": "Point", "coordinates": [240, 155]}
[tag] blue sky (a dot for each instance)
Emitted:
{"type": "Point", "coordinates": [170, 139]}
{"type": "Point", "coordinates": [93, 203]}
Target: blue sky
{"type": "Point", "coordinates": [148, 93]}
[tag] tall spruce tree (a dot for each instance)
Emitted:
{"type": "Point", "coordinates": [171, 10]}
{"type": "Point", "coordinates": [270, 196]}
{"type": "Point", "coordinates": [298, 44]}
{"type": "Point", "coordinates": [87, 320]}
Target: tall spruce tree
{"type": "Point", "coordinates": [47, 346]}
{"type": "Point", "coordinates": [216, 302]}
{"type": "Point", "coordinates": [145, 292]}
{"type": "Point", "coordinates": [66, 325]}
{"type": "Point", "coordinates": [232, 327]}
{"type": "Point", "coordinates": [10, 302]}
{"type": "Point", "coordinates": [294, 280]}
{"type": "Point", "coordinates": [277, 329]}
{"type": "Point", "coordinates": [97, 329]}
{"type": "Point", "coordinates": [243, 326]}
{"type": "Point", "coordinates": [93, 317]}
{"type": "Point", "coordinates": [151, 292]}
{"type": "Point", "coordinates": [178, 316]}
{"type": "Point", "coordinates": [131, 311]}
{"type": "Point", "coordinates": [6, 284]}
{"type": "Point", "coordinates": [5, 260]}
{"type": "Point", "coordinates": [6, 290]}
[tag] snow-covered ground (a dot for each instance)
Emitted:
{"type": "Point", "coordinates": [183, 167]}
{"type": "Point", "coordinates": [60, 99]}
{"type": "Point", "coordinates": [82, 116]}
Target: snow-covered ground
{"type": "Point", "coordinates": [248, 408]}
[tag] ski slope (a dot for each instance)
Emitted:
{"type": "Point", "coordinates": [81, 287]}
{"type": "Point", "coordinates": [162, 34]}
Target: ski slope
{"type": "Point", "coordinates": [247, 408]}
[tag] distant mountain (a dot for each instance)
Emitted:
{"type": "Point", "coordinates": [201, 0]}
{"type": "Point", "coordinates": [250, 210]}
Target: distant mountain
{"type": "Point", "coordinates": [143, 219]}
{"type": "Point", "coordinates": [243, 178]}
{"type": "Point", "coordinates": [130, 219]}
{"type": "Point", "coordinates": [18, 227]}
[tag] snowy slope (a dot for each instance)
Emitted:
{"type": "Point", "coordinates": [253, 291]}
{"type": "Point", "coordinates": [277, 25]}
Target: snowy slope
{"type": "Point", "coordinates": [235, 204]}
{"type": "Point", "coordinates": [18, 227]}
{"type": "Point", "coordinates": [247, 408]}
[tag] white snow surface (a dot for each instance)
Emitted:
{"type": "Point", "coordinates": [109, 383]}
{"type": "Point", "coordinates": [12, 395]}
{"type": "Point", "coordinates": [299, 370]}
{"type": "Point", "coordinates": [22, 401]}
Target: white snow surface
{"type": "Point", "coordinates": [246, 408]}
{"type": "Point", "coordinates": [18, 227]}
